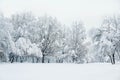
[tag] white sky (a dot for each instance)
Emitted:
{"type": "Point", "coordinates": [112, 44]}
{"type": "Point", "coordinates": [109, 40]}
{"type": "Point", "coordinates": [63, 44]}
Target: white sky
{"type": "Point", "coordinates": [89, 11]}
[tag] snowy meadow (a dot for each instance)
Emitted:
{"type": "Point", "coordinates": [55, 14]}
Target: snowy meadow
{"type": "Point", "coordinates": [29, 71]}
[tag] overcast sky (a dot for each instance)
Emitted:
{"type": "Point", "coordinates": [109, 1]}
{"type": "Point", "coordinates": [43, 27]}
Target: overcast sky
{"type": "Point", "coordinates": [66, 11]}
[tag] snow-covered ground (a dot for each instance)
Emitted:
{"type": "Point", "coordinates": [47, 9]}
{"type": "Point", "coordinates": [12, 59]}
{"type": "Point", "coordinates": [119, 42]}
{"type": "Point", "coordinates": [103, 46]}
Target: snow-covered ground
{"type": "Point", "coordinates": [27, 71]}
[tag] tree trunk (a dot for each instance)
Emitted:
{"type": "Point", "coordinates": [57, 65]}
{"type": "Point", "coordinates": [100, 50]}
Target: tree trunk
{"type": "Point", "coordinates": [110, 58]}
{"type": "Point", "coordinates": [43, 58]}
{"type": "Point", "coordinates": [37, 59]}
{"type": "Point", "coordinates": [113, 58]}
{"type": "Point", "coordinates": [33, 59]}
{"type": "Point", "coordinates": [12, 60]}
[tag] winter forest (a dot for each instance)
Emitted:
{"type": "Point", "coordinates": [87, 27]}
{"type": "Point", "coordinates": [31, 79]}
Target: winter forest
{"type": "Point", "coordinates": [25, 37]}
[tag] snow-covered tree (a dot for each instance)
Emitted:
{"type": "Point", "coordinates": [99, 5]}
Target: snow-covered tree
{"type": "Point", "coordinates": [77, 37]}
{"type": "Point", "coordinates": [107, 39]}
{"type": "Point", "coordinates": [24, 27]}
{"type": "Point", "coordinates": [48, 31]}
{"type": "Point", "coordinates": [6, 42]}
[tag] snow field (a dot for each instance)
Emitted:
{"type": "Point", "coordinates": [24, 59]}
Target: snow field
{"type": "Point", "coordinates": [29, 71]}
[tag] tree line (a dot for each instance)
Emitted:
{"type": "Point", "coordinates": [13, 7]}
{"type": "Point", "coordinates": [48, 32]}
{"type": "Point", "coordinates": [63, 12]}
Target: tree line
{"type": "Point", "coordinates": [27, 38]}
